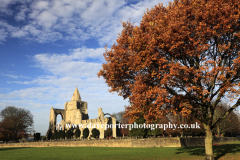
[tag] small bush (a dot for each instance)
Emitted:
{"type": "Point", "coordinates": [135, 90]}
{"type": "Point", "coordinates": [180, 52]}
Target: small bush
{"type": "Point", "coordinates": [62, 134]}
{"type": "Point", "coordinates": [49, 134]}
{"type": "Point", "coordinates": [68, 134]}
{"type": "Point", "coordinates": [52, 137]}
{"type": "Point", "coordinates": [85, 133]}
{"type": "Point", "coordinates": [77, 133]}
{"type": "Point", "coordinates": [37, 136]}
{"type": "Point", "coordinates": [155, 132]}
{"type": "Point", "coordinates": [56, 134]}
{"type": "Point", "coordinates": [95, 133]}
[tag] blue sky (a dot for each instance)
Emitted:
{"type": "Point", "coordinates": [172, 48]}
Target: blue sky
{"type": "Point", "coordinates": [48, 47]}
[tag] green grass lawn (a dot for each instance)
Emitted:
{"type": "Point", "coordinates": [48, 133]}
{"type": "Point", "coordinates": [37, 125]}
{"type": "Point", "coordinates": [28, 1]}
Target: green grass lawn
{"type": "Point", "coordinates": [222, 151]}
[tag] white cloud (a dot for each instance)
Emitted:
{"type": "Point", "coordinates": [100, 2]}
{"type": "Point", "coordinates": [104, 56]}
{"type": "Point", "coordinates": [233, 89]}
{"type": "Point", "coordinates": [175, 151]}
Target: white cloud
{"type": "Point", "coordinates": [46, 19]}
{"type": "Point", "coordinates": [3, 34]}
{"type": "Point", "coordinates": [40, 5]}
{"type": "Point", "coordinates": [14, 76]}
{"type": "Point", "coordinates": [21, 15]}
{"type": "Point", "coordinates": [32, 30]}
{"type": "Point", "coordinates": [72, 64]}
{"type": "Point", "coordinates": [49, 21]}
{"type": "Point", "coordinates": [8, 28]}
{"type": "Point", "coordinates": [19, 33]}
{"type": "Point", "coordinates": [4, 6]}
{"type": "Point", "coordinates": [10, 75]}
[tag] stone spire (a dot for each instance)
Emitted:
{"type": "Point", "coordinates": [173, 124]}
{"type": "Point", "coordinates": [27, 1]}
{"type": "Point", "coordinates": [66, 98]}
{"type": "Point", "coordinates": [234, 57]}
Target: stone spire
{"type": "Point", "coordinates": [76, 95]}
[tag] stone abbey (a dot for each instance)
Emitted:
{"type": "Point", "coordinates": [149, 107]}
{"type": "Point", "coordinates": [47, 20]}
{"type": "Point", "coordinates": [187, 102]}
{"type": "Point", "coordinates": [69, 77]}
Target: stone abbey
{"type": "Point", "coordinates": [75, 112]}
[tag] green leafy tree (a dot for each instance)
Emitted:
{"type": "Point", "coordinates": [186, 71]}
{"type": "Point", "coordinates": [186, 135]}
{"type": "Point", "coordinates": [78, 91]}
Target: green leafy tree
{"type": "Point", "coordinates": [139, 132]}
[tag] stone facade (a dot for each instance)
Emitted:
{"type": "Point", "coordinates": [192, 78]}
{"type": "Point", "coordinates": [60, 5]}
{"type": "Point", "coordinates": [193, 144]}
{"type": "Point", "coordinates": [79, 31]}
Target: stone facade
{"type": "Point", "coordinates": [75, 113]}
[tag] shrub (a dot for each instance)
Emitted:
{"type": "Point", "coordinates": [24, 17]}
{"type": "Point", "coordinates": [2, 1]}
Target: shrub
{"type": "Point", "coordinates": [37, 136]}
{"type": "Point", "coordinates": [69, 134]}
{"type": "Point", "coordinates": [95, 133]}
{"type": "Point", "coordinates": [77, 133]}
{"type": "Point", "coordinates": [49, 134]}
{"type": "Point", "coordinates": [155, 132]}
{"type": "Point", "coordinates": [56, 134]}
{"type": "Point", "coordinates": [85, 133]}
{"type": "Point", "coordinates": [62, 134]}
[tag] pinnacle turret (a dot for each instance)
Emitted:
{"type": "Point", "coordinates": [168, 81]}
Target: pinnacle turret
{"type": "Point", "coordinates": [76, 95]}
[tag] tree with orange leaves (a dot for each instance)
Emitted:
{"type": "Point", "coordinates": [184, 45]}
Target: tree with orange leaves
{"type": "Point", "coordinates": [181, 58]}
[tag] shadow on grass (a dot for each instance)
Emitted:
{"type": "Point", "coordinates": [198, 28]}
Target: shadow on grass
{"type": "Point", "coordinates": [7, 149]}
{"type": "Point", "coordinates": [221, 150]}
{"type": "Point", "coordinates": [218, 150]}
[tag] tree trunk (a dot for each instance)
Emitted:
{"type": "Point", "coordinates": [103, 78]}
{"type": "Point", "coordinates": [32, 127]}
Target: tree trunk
{"type": "Point", "coordinates": [181, 133]}
{"type": "Point", "coordinates": [218, 131]}
{"type": "Point", "coordinates": [208, 143]}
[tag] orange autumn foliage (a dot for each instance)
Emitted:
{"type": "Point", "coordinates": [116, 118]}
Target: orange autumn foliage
{"type": "Point", "coordinates": [180, 58]}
